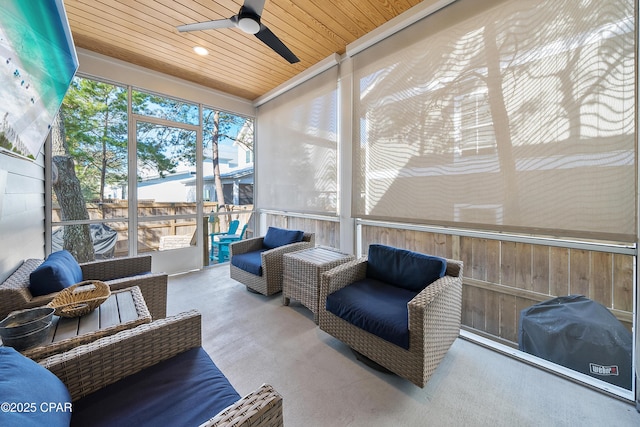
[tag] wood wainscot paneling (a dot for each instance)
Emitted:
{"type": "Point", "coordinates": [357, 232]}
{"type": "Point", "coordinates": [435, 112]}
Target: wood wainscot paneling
{"type": "Point", "coordinates": [327, 233]}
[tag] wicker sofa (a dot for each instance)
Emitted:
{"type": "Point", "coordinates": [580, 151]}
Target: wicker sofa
{"type": "Point", "coordinates": [118, 273]}
{"type": "Point", "coordinates": [434, 316]}
{"type": "Point", "coordinates": [104, 364]}
{"type": "Point", "coordinates": [269, 259]}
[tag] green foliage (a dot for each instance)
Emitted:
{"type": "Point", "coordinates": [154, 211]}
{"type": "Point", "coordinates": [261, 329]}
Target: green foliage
{"type": "Point", "coordinates": [96, 125]}
{"type": "Point", "coordinates": [226, 128]}
{"type": "Point", "coordinates": [4, 142]}
{"type": "Point", "coordinates": [96, 133]}
{"type": "Point", "coordinates": [95, 120]}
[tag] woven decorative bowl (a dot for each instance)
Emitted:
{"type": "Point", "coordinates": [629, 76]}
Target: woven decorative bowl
{"type": "Point", "coordinates": [80, 299]}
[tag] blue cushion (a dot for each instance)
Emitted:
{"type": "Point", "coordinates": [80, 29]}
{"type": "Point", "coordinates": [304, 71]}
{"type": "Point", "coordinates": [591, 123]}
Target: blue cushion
{"type": "Point", "coordinates": [277, 237]}
{"type": "Point", "coordinates": [403, 268]}
{"type": "Point", "coordinates": [251, 262]}
{"type": "Point", "coordinates": [29, 389]}
{"type": "Point", "coordinates": [376, 307]}
{"type": "Point", "coordinates": [185, 390]}
{"type": "Point", "coordinates": [60, 270]}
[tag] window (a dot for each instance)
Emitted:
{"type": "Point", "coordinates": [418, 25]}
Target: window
{"type": "Point", "coordinates": [91, 199]}
{"type": "Point", "coordinates": [474, 124]}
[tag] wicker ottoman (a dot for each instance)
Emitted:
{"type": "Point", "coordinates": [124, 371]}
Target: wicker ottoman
{"type": "Point", "coordinates": [302, 271]}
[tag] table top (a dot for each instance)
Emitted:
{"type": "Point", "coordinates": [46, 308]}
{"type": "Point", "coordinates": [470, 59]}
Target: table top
{"type": "Point", "coordinates": [124, 309]}
{"type": "Point", "coordinates": [318, 255]}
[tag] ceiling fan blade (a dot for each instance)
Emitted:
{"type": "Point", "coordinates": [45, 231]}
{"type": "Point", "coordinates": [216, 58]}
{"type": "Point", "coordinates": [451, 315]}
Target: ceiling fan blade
{"type": "Point", "coordinates": [208, 25]}
{"type": "Point", "coordinates": [254, 6]}
{"type": "Point", "coordinates": [271, 40]}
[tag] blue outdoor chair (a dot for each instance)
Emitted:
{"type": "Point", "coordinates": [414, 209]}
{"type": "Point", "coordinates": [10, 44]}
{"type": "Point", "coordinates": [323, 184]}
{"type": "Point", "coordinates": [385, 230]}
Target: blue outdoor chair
{"type": "Point", "coordinates": [223, 242]}
{"type": "Point", "coordinates": [233, 227]}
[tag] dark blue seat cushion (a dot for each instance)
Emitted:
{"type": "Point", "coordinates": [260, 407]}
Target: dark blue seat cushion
{"type": "Point", "coordinates": [406, 269]}
{"type": "Point", "coordinates": [58, 271]}
{"type": "Point", "coordinates": [277, 237]}
{"type": "Point", "coordinates": [251, 262]}
{"type": "Point", "coordinates": [376, 307]}
{"type": "Point", "coordinates": [35, 396]}
{"type": "Point", "coordinates": [185, 390]}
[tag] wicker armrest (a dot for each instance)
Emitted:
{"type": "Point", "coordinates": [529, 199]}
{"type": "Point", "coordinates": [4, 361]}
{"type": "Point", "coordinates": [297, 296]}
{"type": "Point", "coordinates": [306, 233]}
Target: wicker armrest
{"type": "Point", "coordinates": [90, 367]}
{"type": "Point", "coordinates": [260, 408]}
{"type": "Point", "coordinates": [431, 292]}
{"type": "Point", "coordinates": [341, 276]}
{"type": "Point", "coordinates": [435, 314]}
{"type": "Point", "coordinates": [246, 245]}
{"type": "Point", "coordinates": [153, 288]}
{"type": "Point", "coordinates": [115, 268]}
{"type": "Point", "coordinates": [11, 300]}
{"type": "Point", "coordinates": [452, 278]}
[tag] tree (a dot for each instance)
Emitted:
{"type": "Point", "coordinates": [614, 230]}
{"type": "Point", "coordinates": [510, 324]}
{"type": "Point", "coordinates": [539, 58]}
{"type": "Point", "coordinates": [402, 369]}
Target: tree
{"type": "Point", "coordinates": [95, 119]}
{"type": "Point", "coordinates": [65, 183]}
{"type": "Point", "coordinates": [96, 137]}
{"type": "Point", "coordinates": [90, 152]}
{"type": "Point", "coordinates": [218, 126]}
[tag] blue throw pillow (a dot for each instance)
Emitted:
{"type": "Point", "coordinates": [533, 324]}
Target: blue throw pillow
{"type": "Point", "coordinates": [277, 237]}
{"type": "Point", "coordinates": [30, 394]}
{"type": "Point", "coordinates": [406, 269]}
{"type": "Point", "coordinates": [60, 270]}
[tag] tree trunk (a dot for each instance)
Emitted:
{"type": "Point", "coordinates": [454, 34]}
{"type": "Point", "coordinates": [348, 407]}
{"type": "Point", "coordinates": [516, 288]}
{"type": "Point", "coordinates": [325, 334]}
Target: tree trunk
{"type": "Point", "coordinates": [103, 166]}
{"type": "Point", "coordinates": [77, 238]}
{"type": "Point", "coordinates": [216, 170]}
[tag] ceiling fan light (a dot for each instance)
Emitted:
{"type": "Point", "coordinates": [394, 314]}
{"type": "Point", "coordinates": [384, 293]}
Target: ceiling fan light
{"type": "Point", "coordinates": [249, 25]}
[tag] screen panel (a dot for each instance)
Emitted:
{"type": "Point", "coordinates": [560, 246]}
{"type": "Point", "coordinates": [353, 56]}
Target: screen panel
{"type": "Point", "coordinates": [297, 148]}
{"type": "Point", "coordinates": [502, 115]}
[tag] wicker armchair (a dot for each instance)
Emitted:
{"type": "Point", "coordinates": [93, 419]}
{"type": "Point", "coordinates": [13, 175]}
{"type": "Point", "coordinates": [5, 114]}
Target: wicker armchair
{"type": "Point", "coordinates": [434, 322]}
{"type": "Point", "coordinates": [272, 263]}
{"type": "Point", "coordinates": [91, 367]}
{"type": "Point", "coordinates": [118, 273]}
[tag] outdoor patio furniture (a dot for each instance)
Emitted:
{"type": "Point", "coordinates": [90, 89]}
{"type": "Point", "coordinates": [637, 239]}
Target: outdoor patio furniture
{"type": "Point", "coordinates": [258, 263]}
{"type": "Point", "coordinates": [303, 272]}
{"type": "Point", "coordinates": [397, 308]}
{"type": "Point", "coordinates": [124, 309]}
{"type": "Point", "coordinates": [118, 273]}
{"type": "Point", "coordinates": [215, 237]}
{"type": "Point", "coordinates": [154, 374]}
{"type": "Point", "coordinates": [224, 240]}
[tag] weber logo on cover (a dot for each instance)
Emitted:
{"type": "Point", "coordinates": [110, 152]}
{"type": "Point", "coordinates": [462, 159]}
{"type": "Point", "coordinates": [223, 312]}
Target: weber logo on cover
{"type": "Point", "coordinates": [603, 370]}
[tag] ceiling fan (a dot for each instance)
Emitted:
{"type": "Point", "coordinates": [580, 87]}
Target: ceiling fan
{"type": "Point", "coordinates": [248, 20]}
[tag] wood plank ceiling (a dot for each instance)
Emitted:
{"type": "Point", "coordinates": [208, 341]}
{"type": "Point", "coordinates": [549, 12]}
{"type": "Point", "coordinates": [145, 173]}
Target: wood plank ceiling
{"type": "Point", "coordinates": [143, 32]}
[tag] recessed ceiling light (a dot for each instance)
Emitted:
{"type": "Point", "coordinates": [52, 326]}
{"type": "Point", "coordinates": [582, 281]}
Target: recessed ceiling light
{"type": "Point", "coordinates": [200, 50]}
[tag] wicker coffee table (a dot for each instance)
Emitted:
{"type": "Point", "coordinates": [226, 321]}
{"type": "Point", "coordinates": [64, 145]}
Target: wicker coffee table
{"type": "Point", "coordinates": [124, 309]}
{"type": "Point", "coordinates": [302, 271]}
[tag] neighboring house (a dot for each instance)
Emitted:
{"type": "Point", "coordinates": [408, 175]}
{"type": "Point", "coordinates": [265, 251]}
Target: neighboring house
{"type": "Point", "coordinates": [236, 168]}
{"type": "Point", "coordinates": [237, 185]}
{"type": "Point", "coordinates": [169, 188]}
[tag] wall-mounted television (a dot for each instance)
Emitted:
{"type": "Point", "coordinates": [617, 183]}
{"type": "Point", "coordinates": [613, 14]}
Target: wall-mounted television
{"type": "Point", "coordinates": [37, 62]}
